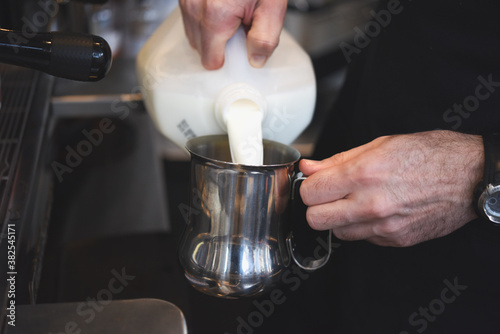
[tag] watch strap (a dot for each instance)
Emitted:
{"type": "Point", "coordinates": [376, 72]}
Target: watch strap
{"type": "Point", "coordinates": [491, 144]}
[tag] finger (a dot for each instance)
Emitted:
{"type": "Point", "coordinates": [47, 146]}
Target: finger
{"type": "Point", "coordinates": [353, 210]}
{"type": "Point", "coordinates": [329, 215]}
{"type": "Point", "coordinates": [333, 178]}
{"type": "Point", "coordinates": [219, 24]}
{"type": "Point", "coordinates": [328, 185]}
{"type": "Point", "coordinates": [388, 242]}
{"type": "Point", "coordinates": [209, 25]}
{"type": "Point", "coordinates": [309, 167]}
{"type": "Point", "coordinates": [353, 232]}
{"type": "Point", "coordinates": [265, 29]}
{"type": "Point", "coordinates": [191, 17]}
{"type": "Point", "coordinates": [367, 231]}
{"type": "Point", "coordinates": [212, 49]}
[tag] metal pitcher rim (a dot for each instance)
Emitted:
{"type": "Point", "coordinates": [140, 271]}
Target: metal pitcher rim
{"type": "Point", "coordinates": [191, 144]}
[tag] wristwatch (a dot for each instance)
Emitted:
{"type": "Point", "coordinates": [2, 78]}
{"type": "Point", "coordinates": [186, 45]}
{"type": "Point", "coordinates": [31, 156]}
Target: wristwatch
{"type": "Point", "coordinates": [487, 194]}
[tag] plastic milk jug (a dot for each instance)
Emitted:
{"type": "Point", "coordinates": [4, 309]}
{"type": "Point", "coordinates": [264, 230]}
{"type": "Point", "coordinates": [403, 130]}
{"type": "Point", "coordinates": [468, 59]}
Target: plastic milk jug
{"type": "Point", "coordinates": [185, 100]}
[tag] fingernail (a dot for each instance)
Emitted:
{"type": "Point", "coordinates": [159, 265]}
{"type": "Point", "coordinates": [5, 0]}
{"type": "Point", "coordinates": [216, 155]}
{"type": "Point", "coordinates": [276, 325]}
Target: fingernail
{"type": "Point", "coordinates": [257, 60]}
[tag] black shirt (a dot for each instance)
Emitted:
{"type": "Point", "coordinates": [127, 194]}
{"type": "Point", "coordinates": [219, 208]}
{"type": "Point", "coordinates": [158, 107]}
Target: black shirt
{"type": "Point", "coordinates": [430, 57]}
{"type": "Point", "coordinates": [435, 65]}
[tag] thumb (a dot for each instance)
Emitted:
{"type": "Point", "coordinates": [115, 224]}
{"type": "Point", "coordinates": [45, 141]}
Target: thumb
{"type": "Point", "coordinates": [309, 167]}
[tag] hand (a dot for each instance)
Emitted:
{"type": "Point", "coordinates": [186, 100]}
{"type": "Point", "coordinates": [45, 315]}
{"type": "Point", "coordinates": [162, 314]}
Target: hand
{"type": "Point", "coordinates": [210, 24]}
{"type": "Point", "coordinates": [397, 190]}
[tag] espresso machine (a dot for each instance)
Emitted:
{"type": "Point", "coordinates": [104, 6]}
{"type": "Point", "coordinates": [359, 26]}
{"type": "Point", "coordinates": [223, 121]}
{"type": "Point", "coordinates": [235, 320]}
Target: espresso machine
{"type": "Point", "coordinates": [94, 199]}
{"type": "Point", "coordinates": [46, 44]}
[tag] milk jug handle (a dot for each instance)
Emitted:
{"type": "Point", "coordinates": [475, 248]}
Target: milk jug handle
{"type": "Point", "coordinates": [307, 263]}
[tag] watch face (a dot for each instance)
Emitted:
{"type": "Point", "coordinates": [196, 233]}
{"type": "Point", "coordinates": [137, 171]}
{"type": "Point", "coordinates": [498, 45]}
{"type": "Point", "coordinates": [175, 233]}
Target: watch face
{"type": "Point", "coordinates": [491, 203]}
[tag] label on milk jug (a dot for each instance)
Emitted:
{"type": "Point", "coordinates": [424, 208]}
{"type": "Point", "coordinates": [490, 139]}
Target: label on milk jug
{"type": "Point", "coordinates": [186, 130]}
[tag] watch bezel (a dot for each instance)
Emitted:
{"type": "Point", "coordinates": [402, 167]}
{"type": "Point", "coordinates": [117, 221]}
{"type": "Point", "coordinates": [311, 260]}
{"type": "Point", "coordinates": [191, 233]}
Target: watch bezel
{"type": "Point", "coordinates": [490, 183]}
{"type": "Point", "coordinates": [486, 195]}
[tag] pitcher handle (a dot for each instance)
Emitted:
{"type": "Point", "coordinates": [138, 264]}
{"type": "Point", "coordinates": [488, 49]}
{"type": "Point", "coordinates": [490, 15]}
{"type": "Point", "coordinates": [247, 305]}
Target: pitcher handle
{"type": "Point", "coordinates": [307, 263]}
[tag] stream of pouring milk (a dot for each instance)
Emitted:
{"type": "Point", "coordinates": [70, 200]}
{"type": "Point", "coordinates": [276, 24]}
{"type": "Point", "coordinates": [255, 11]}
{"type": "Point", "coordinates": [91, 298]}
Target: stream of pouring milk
{"type": "Point", "coordinates": [244, 129]}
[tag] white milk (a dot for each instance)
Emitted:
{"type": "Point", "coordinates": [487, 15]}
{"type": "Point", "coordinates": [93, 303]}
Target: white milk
{"type": "Point", "coordinates": [244, 129]}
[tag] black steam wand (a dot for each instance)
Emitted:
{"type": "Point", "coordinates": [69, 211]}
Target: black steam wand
{"type": "Point", "coordinates": [72, 56]}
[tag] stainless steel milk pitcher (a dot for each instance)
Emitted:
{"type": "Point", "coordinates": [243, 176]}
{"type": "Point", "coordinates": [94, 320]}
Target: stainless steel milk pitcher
{"type": "Point", "coordinates": [237, 241]}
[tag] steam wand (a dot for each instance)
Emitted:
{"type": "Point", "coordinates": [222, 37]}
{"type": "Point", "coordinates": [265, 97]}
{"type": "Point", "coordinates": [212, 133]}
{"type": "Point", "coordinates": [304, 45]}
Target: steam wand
{"type": "Point", "coordinates": [74, 56]}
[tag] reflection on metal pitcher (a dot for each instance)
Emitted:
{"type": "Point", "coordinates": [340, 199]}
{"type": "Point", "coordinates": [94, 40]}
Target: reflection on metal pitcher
{"type": "Point", "coordinates": [236, 244]}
